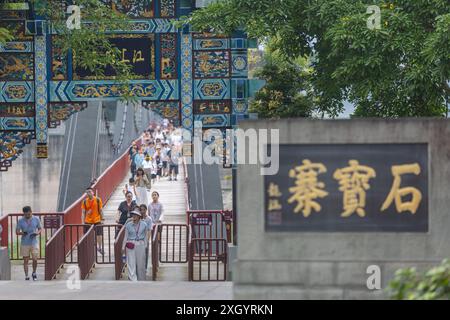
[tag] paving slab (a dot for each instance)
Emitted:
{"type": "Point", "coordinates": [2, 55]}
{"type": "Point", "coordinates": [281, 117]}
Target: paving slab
{"type": "Point", "coordinates": [114, 290]}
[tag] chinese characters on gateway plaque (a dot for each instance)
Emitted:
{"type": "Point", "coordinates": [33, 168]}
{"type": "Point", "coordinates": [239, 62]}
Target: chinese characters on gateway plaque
{"type": "Point", "coordinates": [351, 187]}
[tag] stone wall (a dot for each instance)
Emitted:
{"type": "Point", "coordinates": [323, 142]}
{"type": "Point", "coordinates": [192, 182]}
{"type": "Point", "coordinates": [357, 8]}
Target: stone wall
{"type": "Point", "coordinates": [5, 264]}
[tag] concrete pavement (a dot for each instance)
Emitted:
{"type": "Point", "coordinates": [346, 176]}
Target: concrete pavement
{"type": "Point", "coordinates": [116, 290]}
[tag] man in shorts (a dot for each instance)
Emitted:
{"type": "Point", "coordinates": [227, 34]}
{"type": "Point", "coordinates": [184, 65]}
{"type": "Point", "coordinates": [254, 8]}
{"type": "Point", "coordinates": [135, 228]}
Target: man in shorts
{"type": "Point", "coordinates": [92, 214]}
{"type": "Point", "coordinates": [29, 227]}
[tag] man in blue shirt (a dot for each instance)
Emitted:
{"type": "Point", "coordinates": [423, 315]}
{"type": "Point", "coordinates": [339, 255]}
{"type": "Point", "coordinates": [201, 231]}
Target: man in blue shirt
{"type": "Point", "coordinates": [29, 227]}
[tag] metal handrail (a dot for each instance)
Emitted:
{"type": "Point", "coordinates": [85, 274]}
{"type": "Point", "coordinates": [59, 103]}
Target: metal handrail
{"type": "Point", "coordinates": [216, 229]}
{"type": "Point", "coordinates": [86, 252]}
{"type": "Point", "coordinates": [4, 234]}
{"type": "Point", "coordinates": [56, 257]}
{"type": "Point", "coordinates": [9, 236]}
{"type": "Point", "coordinates": [107, 184]}
{"type": "Point", "coordinates": [156, 235]}
{"type": "Point", "coordinates": [186, 185]}
{"type": "Point", "coordinates": [72, 215]}
{"type": "Point", "coordinates": [190, 255]}
{"type": "Point", "coordinates": [110, 231]}
{"type": "Point", "coordinates": [171, 244]}
{"type": "Point", "coordinates": [202, 253]}
{"type": "Point", "coordinates": [60, 245]}
{"type": "Point", "coordinates": [72, 239]}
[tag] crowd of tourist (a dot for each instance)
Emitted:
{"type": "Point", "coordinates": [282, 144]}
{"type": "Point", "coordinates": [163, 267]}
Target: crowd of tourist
{"type": "Point", "coordinates": [153, 158]}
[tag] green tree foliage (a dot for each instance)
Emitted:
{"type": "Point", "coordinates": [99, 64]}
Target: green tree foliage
{"type": "Point", "coordinates": [398, 70]}
{"type": "Point", "coordinates": [255, 61]}
{"type": "Point", "coordinates": [285, 93]}
{"type": "Point", "coordinates": [433, 284]}
{"type": "Point", "coordinates": [5, 36]}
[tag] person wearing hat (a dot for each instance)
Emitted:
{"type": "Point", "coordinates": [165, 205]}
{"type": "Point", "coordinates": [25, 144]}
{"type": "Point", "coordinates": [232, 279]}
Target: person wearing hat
{"type": "Point", "coordinates": [134, 245]}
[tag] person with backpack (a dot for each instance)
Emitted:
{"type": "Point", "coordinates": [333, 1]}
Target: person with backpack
{"type": "Point", "coordinates": [92, 214]}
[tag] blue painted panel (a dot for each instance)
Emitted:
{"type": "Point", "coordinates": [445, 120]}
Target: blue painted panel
{"type": "Point", "coordinates": [141, 26]}
{"type": "Point", "coordinates": [239, 64]}
{"type": "Point", "coordinates": [239, 88]}
{"type": "Point", "coordinates": [154, 90]}
{"type": "Point", "coordinates": [17, 91]}
{"type": "Point", "coordinates": [17, 123]}
{"type": "Point", "coordinates": [211, 44]}
{"type": "Point", "coordinates": [214, 121]}
{"type": "Point", "coordinates": [187, 100]}
{"type": "Point", "coordinates": [240, 106]}
{"type": "Point", "coordinates": [212, 89]}
{"type": "Point", "coordinates": [211, 64]}
{"type": "Point", "coordinates": [17, 46]}
{"type": "Point", "coordinates": [238, 43]}
{"type": "Point", "coordinates": [41, 89]}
